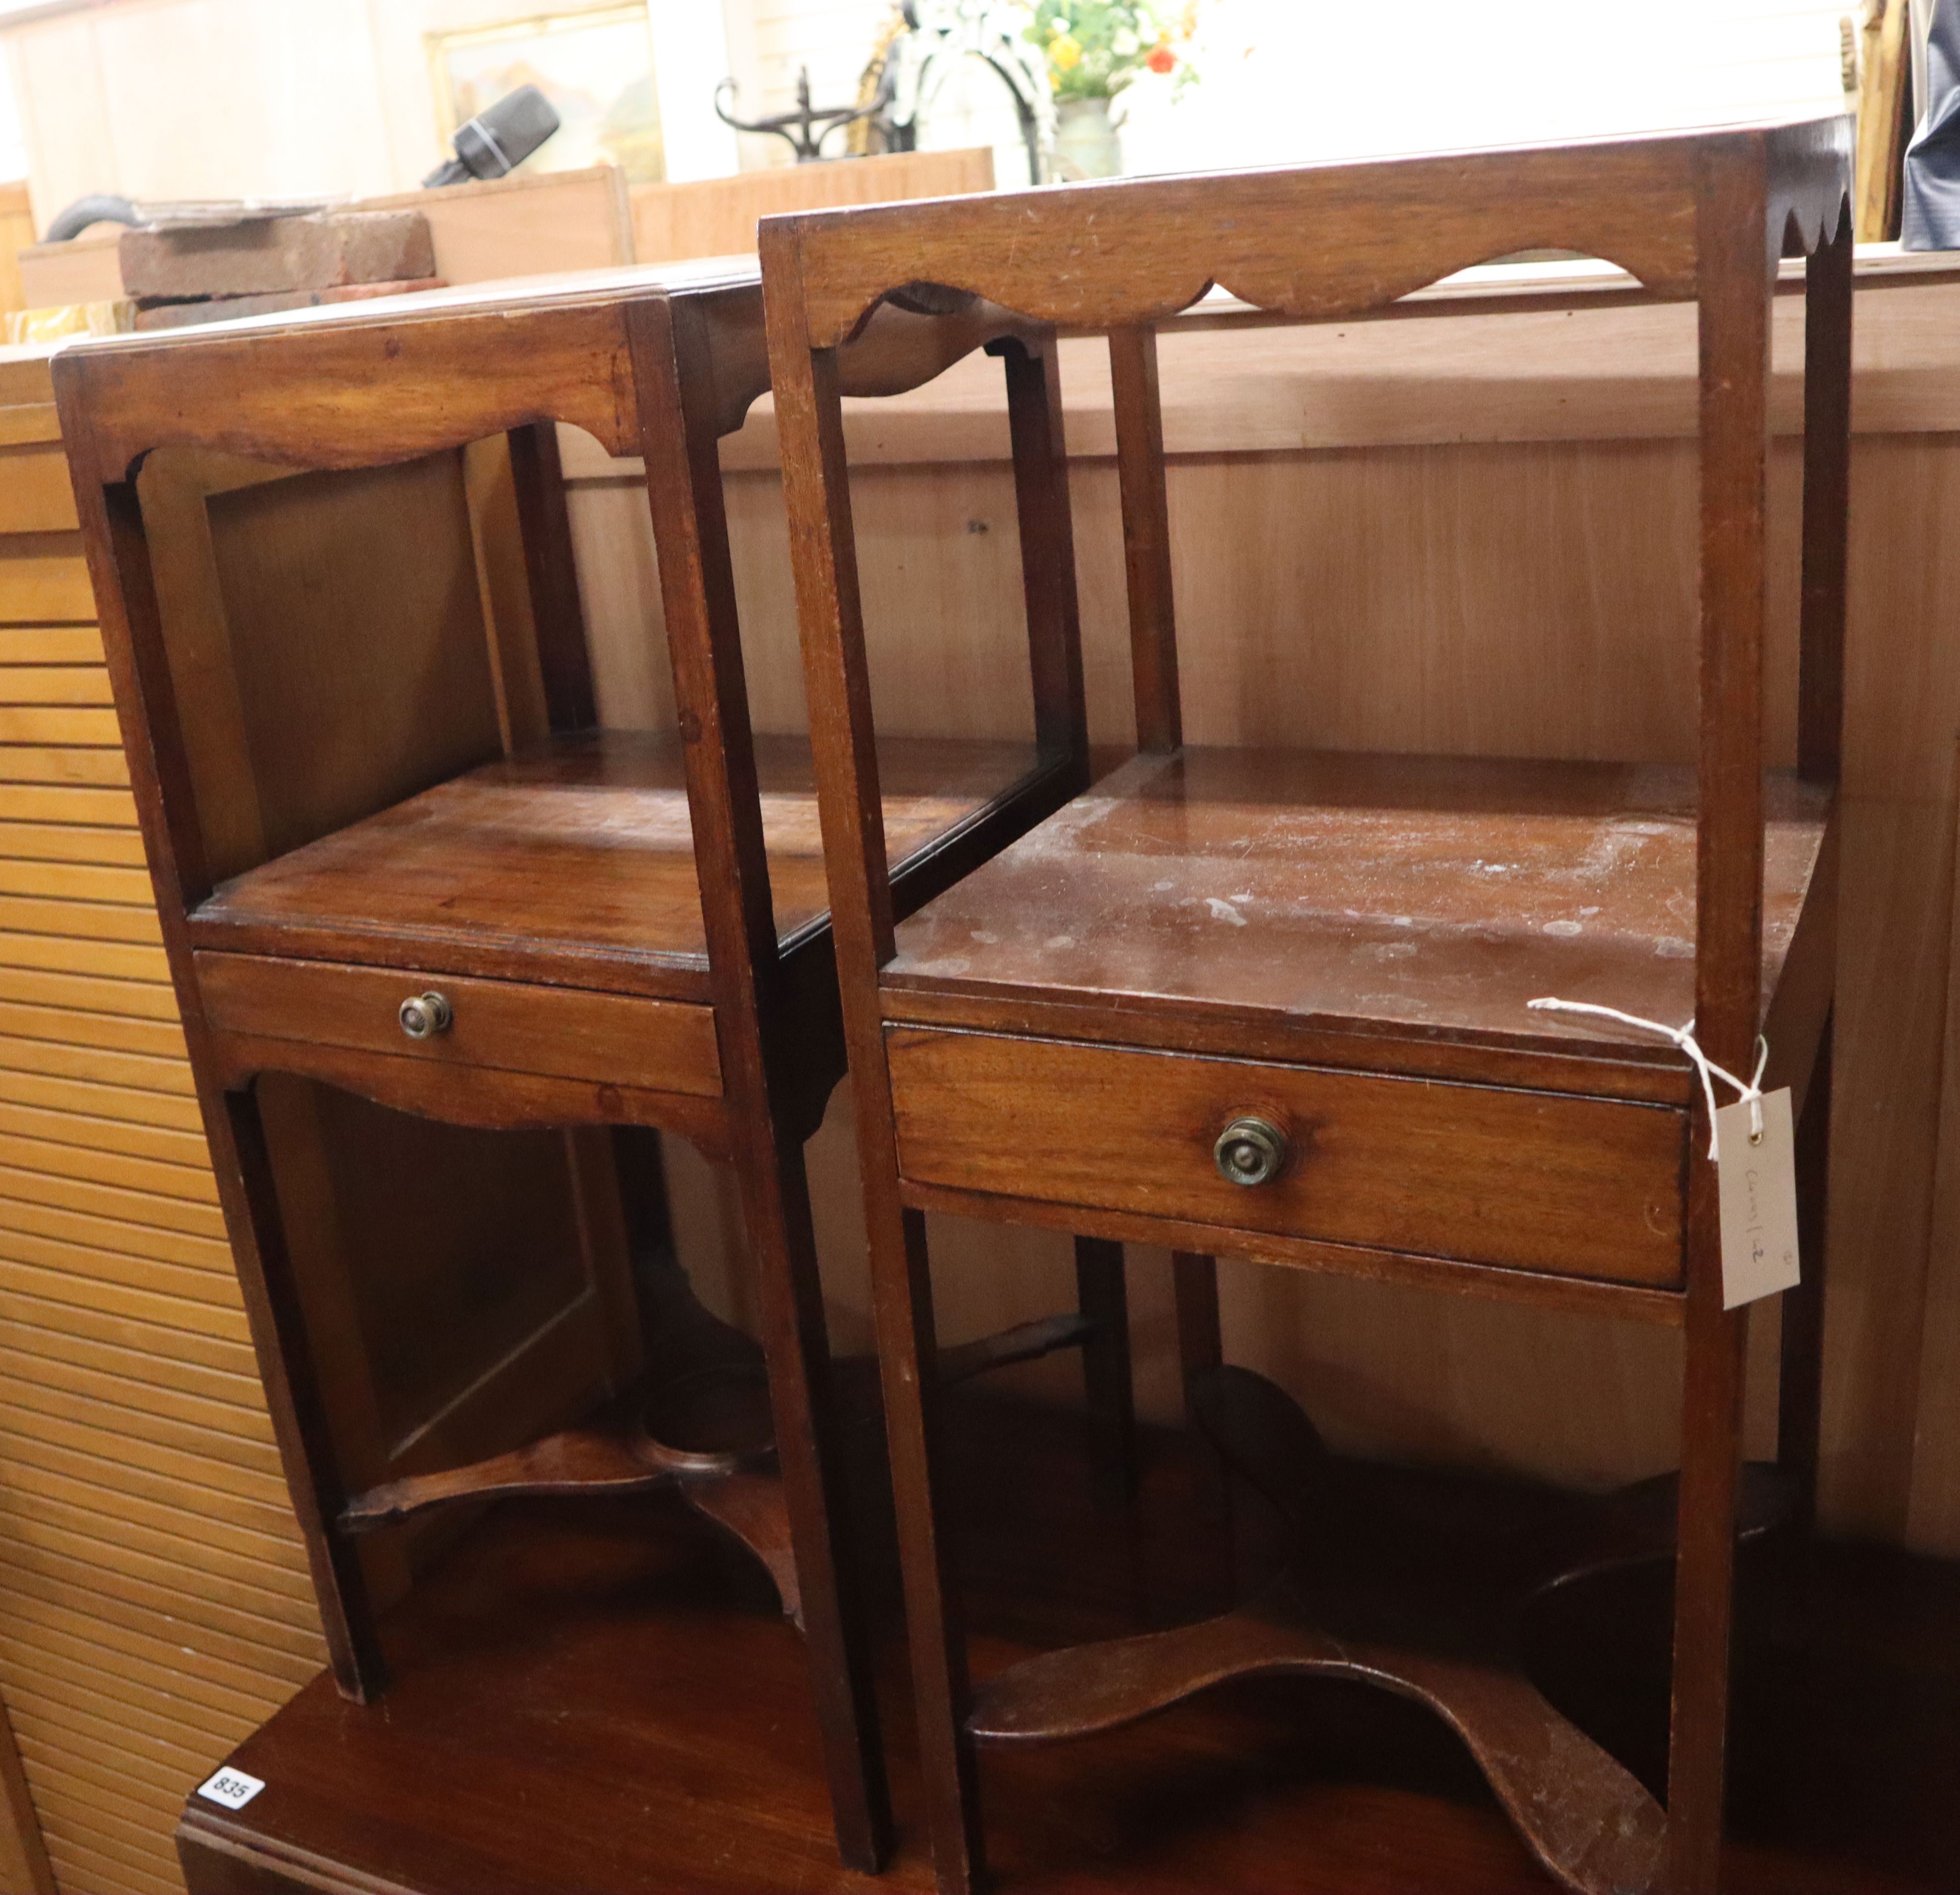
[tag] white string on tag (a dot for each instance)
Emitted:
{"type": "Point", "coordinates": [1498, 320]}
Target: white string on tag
{"type": "Point", "coordinates": [1750, 1094]}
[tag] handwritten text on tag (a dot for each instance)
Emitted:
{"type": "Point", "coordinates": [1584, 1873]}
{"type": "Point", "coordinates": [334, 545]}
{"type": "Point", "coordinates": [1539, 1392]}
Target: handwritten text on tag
{"type": "Point", "coordinates": [1758, 1200]}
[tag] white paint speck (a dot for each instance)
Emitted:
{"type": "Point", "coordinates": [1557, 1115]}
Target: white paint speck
{"type": "Point", "coordinates": [985, 937]}
{"type": "Point", "coordinates": [1672, 948]}
{"type": "Point", "coordinates": [1162, 888]}
{"type": "Point", "coordinates": [1224, 911]}
{"type": "Point", "coordinates": [1565, 930]}
{"type": "Point", "coordinates": [1059, 940]}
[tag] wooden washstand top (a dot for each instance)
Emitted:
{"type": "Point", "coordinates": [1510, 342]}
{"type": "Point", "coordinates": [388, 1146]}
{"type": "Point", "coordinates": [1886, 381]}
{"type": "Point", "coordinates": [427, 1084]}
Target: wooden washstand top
{"type": "Point", "coordinates": [1426, 897]}
{"type": "Point", "coordinates": [579, 855]}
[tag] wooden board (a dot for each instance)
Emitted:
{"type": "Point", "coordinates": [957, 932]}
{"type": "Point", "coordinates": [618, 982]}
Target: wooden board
{"type": "Point", "coordinates": [716, 217]}
{"type": "Point", "coordinates": [468, 876]}
{"type": "Point", "coordinates": [84, 269]}
{"type": "Point", "coordinates": [483, 232]}
{"type": "Point", "coordinates": [534, 225]}
{"type": "Point", "coordinates": [1180, 879]}
{"type": "Point", "coordinates": [503, 1024]}
{"type": "Point", "coordinates": [17, 230]}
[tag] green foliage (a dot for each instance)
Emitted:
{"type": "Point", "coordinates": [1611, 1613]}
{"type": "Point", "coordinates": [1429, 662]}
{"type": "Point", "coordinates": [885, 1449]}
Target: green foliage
{"type": "Point", "coordinates": [1095, 48]}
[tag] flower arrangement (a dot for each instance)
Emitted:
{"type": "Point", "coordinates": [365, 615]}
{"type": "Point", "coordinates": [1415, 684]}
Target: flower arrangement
{"type": "Point", "coordinates": [1095, 48]}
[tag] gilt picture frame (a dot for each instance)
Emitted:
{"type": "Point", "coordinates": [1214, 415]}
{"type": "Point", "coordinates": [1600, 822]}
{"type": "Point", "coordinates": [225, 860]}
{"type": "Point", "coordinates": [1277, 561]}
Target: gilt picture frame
{"type": "Point", "coordinates": [596, 66]}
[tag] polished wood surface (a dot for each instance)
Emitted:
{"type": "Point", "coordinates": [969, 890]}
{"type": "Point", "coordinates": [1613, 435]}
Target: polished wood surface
{"type": "Point", "coordinates": [386, 1224]}
{"type": "Point", "coordinates": [552, 347]}
{"type": "Point", "coordinates": [575, 862]}
{"type": "Point", "coordinates": [1388, 227]}
{"type": "Point", "coordinates": [1705, 216]}
{"type": "Point", "coordinates": [681, 869]}
{"type": "Point", "coordinates": [1444, 895]}
{"type": "Point", "coordinates": [1534, 1181]}
{"type": "Point", "coordinates": [716, 217]}
{"type": "Point", "coordinates": [1359, 1597]}
{"type": "Point", "coordinates": [1482, 533]}
{"type": "Point", "coordinates": [1846, 1730]}
{"type": "Point", "coordinates": [1568, 453]}
{"type": "Point", "coordinates": [567, 1032]}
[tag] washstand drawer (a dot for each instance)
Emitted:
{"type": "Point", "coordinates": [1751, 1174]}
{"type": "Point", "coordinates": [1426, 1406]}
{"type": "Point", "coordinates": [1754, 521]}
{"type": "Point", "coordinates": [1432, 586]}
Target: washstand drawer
{"type": "Point", "coordinates": [567, 1033]}
{"type": "Point", "coordinates": [1529, 1180]}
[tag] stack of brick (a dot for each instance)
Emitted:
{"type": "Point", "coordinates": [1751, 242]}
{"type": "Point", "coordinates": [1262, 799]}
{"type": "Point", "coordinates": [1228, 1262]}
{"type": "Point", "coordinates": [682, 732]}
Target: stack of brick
{"type": "Point", "coordinates": [207, 273]}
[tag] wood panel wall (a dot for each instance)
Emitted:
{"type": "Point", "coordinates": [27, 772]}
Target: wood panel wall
{"type": "Point", "coordinates": [716, 217]}
{"type": "Point", "coordinates": [1476, 534]}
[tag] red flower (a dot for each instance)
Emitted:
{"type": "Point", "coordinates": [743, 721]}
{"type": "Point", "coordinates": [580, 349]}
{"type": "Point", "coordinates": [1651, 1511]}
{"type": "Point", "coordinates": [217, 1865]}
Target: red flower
{"type": "Point", "coordinates": [1162, 60]}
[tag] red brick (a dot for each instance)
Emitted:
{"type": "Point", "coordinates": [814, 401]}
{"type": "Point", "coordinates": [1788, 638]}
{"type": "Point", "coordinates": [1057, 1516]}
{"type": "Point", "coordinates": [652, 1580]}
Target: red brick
{"type": "Point", "coordinates": [273, 255]}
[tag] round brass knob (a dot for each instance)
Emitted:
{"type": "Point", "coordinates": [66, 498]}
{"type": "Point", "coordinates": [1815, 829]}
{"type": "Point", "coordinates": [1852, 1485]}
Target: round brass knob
{"type": "Point", "coordinates": [1250, 1151]}
{"type": "Point", "coordinates": [423, 1016]}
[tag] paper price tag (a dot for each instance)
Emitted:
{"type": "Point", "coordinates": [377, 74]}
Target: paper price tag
{"type": "Point", "coordinates": [1758, 1181]}
{"type": "Point", "coordinates": [232, 1789]}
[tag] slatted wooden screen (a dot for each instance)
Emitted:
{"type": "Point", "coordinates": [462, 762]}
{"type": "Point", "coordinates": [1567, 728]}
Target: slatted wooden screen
{"type": "Point", "coordinates": [153, 1600]}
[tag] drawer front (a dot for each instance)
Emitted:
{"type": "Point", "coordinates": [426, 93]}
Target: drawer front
{"type": "Point", "coordinates": [1528, 1180]}
{"type": "Point", "coordinates": [662, 1046]}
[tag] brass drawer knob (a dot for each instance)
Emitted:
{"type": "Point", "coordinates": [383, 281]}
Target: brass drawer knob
{"type": "Point", "coordinates": [423, 1016]}
{"type": "Point", "coordinates": [1250, 1151]}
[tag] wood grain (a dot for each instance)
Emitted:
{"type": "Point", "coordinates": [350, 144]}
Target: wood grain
{"type": "Point", "coordinates": [466, 876]}
{"type": "Point", "coordinates": [314, 819]}
{"type": "Point", "coordinates": [716, 217]}
{"type": "Point", "coordinates": [1358, 1795]}
{"type": "Point", "coordinates": [1387, 229]}
{"type": "Point", "coordinates": [570, 366]}
{"type": "Point", "coordinates": [1379, 1163]}
{"type": "Point", "coordinates": [488, 230]}
{"type": "Point", "coordinates": [1932, 1495]}
{"type": "Point", "coordinates": [1583, 871]}
{"type": "Point", "coordinates": [552, 1030]}
{"type": "Point", "coordinates": [1388, 568]}
{"type": "Point", "coordinates": [84, 269]}
{"type": "Point", "coordinates": [956, 1121]}
{"type": "Point", "coordinates": [1391, 564]}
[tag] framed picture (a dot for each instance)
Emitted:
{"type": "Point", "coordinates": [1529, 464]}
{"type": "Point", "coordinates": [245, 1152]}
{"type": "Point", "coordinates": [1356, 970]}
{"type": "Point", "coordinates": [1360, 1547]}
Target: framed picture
{"type": "Point", "coordinates": [595, 65]}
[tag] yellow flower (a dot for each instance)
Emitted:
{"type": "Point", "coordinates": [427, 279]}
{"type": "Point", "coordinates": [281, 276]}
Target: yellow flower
{"type": "Point", "coordinates": [1066, 52]}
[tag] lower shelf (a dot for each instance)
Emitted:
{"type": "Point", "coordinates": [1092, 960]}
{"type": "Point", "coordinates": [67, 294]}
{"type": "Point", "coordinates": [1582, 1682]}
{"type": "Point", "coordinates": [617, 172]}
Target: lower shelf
{"type": "Point", "coordinates": [1432, 1610]}
{"type": "Point", "coordinates": [602, 1698]}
